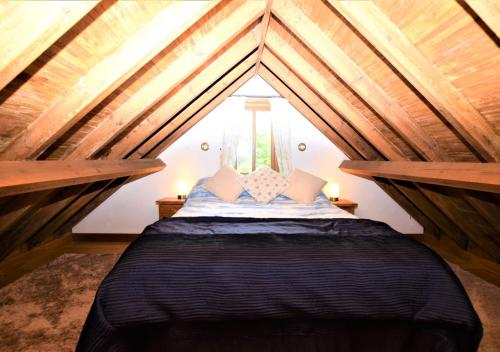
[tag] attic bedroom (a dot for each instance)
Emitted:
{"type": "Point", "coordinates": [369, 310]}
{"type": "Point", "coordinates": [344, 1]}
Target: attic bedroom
{"type": "Point", "coordinates": [251, 175]}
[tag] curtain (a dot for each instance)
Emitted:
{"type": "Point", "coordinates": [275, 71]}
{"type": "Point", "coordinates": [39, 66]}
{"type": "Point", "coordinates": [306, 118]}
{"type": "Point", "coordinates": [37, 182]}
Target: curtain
{"type": "Point", "coordinates": [281, 132]}
{"type": "Point", "coordinates": [232, 130]}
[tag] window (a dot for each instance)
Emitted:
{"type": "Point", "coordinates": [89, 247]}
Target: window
{"type": "Point", "coordinates": [256, 148]}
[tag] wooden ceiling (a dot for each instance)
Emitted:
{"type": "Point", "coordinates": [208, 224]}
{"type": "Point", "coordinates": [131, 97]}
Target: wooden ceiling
{"type": "Point", "coordinates": [383, 80]}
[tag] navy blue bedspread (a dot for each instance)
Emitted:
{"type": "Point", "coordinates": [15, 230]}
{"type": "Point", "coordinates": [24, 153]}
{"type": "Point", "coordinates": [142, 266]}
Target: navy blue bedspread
{"type": "Point", "coordinates": [189, 270]}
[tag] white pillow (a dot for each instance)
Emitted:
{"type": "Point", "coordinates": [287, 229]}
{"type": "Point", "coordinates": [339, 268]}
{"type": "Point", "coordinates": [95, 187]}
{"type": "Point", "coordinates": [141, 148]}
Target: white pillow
{"type": "Point", "coordinates": [303, 187]}
{"type": "Point", "coordinates": [264, 184]}
{"type": "Point", "coordinates": [225, 184]}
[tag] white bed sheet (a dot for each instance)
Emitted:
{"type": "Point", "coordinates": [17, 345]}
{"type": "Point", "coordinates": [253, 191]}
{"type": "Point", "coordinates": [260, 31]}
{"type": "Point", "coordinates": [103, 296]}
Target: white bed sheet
{"type": "Point", "coordinates": [200, 202]}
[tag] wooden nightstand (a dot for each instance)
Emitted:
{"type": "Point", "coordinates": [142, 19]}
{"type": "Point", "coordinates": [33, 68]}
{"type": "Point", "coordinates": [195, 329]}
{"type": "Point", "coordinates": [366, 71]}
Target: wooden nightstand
{"type": "Point", "coordinates": [346, 205]}
{"type": "Point", "coordinates": [168, 206]}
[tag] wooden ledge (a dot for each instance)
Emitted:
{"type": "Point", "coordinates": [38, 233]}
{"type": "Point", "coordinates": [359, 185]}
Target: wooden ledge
{"type": "Point", "coordinates": [476, 176]}
{"type": "Point", "coordinates": [18, 177]}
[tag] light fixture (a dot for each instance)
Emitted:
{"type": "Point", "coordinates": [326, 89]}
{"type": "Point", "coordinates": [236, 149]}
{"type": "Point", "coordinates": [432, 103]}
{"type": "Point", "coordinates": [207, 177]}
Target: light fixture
{"type": "Point", "coordinates": [182, 190]}
{"type": "Point", "coordinates": [301, 147]}
{"type": "Point", "coordinates": [333, 191]}
{"type": "Point", "coordinates": [204, 146]}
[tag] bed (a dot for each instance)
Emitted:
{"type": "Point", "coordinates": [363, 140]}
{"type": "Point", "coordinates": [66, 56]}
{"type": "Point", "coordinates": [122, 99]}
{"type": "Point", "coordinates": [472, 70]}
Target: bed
{"type": "Point", "coordinates": [278, 277]}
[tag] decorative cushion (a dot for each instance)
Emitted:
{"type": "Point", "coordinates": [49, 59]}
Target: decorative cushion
{"type": "Point", "coordinates": [225, 184]}
{"type": "Point", "coordinates": [264, 184]}
{"type": "Point", "coordinates": [303, 187]}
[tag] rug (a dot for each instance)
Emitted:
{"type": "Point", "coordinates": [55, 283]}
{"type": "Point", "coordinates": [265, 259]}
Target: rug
{"type": "Point", "coordinates": [45, 310]}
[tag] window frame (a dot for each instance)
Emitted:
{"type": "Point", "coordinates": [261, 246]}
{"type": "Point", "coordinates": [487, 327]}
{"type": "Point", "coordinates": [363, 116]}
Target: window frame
{"type": "Point", "coordinates": [255, 105]}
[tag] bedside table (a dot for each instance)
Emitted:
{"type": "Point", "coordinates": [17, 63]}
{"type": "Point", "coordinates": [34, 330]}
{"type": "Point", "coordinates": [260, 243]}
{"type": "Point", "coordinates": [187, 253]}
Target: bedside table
{"type": "Point", "coordinates": [346, 205]}
{"type": "Point", "coordinates": [168, 206]}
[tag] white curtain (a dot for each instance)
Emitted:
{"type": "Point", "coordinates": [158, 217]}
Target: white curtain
{"type": "Point", "coordinates": [231, 109]}
{"type": "Point", "coordinates": [281, 133]}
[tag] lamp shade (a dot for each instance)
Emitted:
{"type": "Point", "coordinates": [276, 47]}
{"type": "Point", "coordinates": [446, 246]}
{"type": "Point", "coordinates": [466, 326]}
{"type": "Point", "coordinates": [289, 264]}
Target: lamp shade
{"type": "Point", "coordinates": [333, 190]}
{"type": "Point", "coordinates": [182, 188]}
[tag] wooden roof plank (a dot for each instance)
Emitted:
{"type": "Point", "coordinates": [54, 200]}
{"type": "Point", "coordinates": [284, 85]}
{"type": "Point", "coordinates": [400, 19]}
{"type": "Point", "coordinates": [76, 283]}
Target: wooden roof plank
{"type": "Point", "coordinates": [18, 177]}
{"type": "Point", "coordinates": [229, 81]}
{"type": "Point", "coordinates": [488, 11]}
{"type": "Point", "coordinates": [392, 190]}
{"type": "Point", "coordinates": [321, 84]}
{"type": "Point", "coordinates": [100, 81]}
{"type": "Point", "coordinates": [284, 80]}
{"type": "Point", "coordinates": [73, 208]}
{"type": "Point", "coordinates": [476, 176]}
{"type": "Point", "coordinates": [90, 200]}
{"type": "Point", "coordinates": [313, 116]}
{"type": "Point", "coordinates": [265, 26]}
{"type": "Point", "coordinates": [126, 114]}
{"type": "Point", "coordinates": [335, 58]}
{"type": "Point", "coordinates": [29, 28]}
{"type": "Point", "coordinates": [386, 37]}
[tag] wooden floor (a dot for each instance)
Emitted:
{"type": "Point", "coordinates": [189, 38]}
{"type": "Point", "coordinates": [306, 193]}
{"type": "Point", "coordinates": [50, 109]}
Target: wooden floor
{"type": "Point", "coordinates": [19, 264]}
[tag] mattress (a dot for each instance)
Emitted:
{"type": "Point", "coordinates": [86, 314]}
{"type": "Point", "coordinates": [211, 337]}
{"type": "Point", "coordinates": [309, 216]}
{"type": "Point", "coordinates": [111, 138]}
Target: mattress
{"type": "Point", "coordinates": [200, 202]}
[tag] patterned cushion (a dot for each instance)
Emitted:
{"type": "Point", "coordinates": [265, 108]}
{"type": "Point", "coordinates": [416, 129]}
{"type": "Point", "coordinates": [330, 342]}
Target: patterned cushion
{"type": "Point", "coordinates": [264, 184]}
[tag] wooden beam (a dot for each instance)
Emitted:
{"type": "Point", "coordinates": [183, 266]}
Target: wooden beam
{"type": "Point", "coordinates": [488, 11]}
{"type": "Point", "coordinates": [385, 36]}
{"type": "Point", "coordinates": [189, 60]}
{"type": "Point", "coordinates": [100, 81]}
{"type": "Point", "coordinates": [28, 28]}
{"type": "Point", "coordinates": [265, 26]}
{"type": "Point", "coordinates": [17, 177]}
{"type": "Point", "coordinates": [19, 264]}
{"type": "Point", "coordinates": [465, 217]}
{"type": "Point", "coordinates": [387, 187]}
{"type": "Point", "coordinates": [418, 198]}
{"type": "Point", "coordinates": [335, 58]}
{"type": "Point", "coordinates": [310, 105]}
{"type": "Point", "coordinates": [218, 90]}
{"type": "Point", "coordinates": [187, 93]}
{"type": "Point", "coordinates": [476, 176]}
{"type": "Point", "coordinates": [75, 208]}
{"type": "Point", "coordinates": [308, 73]}
{"type": "Point", "coordinates": [184, 127]}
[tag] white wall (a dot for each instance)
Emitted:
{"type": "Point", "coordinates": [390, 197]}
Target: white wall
{"type": "Point", "coordinates": [133, 207]}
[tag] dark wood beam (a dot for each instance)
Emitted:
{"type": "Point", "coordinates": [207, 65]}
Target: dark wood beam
{"type": "Point", "coordinates": [476, 176]}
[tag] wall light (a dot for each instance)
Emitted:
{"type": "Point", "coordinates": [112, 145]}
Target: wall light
{"type": "Point", "coordinates": [333, 191]}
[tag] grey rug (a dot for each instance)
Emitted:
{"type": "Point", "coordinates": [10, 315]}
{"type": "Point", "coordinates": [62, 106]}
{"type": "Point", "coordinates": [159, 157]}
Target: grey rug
{"type": "Point", "coordinates": [45, 310]}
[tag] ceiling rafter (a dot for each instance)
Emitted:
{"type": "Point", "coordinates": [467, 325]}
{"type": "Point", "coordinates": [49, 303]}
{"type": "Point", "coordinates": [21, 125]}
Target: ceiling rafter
{"type": "Point", "coordinates": [198, 102]}
{"type": "Point", "coordinates": [488, 11]}
{"type": "Point", "coordinates": [344, 135]}
{"type": "Point", "coordinates": [101, 80]}
{"type": "Point", "coordinates": [187, 62]}
{"type": "Point", "coordinates": [74, 206]}
{"type": "Point", "coordinates": [389, 188]}
{"type": "Point", "coordinates": [265, 26]}
{"type": "Point", "coordinates": [74, 214]}
{"type": "Point", "coordinates": [29, 28]}
{"type": "Point", "coordinates": [309, 74]}
{"type": "Point", "coordinates": [386, 37]}
{"type": "Point", "coordinates": [34, 211]}
{"type": "Point", "coordinates": [425, 198]}
{"type": "Point", "coordinates": [335, 58]}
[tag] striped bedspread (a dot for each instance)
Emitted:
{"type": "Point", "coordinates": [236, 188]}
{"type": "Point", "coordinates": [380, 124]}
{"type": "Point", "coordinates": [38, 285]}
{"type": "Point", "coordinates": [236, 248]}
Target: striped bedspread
{"type": "Point", "coordinates": [200, 202]}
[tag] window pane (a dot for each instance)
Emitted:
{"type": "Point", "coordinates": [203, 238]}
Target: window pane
{"type": "Point", "coordinates": [244, 153]}
{"type": "Point", "coordinates": [262, 139]}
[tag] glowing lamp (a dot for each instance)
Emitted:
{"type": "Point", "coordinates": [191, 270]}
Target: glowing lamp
{"type": "Point", "coordinates": [333, 191]}
{"type": "Point", "coordinates": [182, 190]}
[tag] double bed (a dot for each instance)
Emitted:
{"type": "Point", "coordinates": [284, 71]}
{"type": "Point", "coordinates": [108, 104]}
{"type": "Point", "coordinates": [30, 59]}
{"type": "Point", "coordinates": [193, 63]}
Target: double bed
{"type": "Point", "coordinates": [283, 276]}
